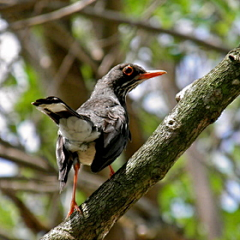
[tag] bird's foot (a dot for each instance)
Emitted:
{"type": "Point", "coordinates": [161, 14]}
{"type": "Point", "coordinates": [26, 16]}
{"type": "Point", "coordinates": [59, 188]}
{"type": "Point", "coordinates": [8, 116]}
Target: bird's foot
{"type": "Point", "coordinates": [111, 170]}
{"type": "Point", "coordinates": [73, 207]}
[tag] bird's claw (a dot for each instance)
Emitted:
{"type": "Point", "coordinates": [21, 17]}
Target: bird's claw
{"type": "Point", "coordinates": [73, 207]}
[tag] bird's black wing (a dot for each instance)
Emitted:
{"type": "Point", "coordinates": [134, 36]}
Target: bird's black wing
{"type": "Point", "coordinates": [65, 161]}
{"type": "Point", "coordinates": [113, 139]}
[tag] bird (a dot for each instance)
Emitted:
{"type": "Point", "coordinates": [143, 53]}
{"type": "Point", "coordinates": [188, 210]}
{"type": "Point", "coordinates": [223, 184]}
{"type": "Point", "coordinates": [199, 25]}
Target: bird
{"type": "Point", "coordinates": [98, 131]}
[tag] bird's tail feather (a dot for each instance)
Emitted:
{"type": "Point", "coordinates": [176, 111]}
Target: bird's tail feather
{"type": "Point", "coordinates": [56, 109]}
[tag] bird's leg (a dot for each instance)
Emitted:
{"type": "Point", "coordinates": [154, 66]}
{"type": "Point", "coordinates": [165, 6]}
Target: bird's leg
{"type": "Point", "coordinates": [73, 205]}
{"type": "Point", "coordinates": [111, 170]}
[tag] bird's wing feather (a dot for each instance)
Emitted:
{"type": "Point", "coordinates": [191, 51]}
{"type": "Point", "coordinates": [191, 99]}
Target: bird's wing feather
{"type": "Point", "coordinates": [65, 160]}
{"type": "Point", "coordinates": [113, 140]}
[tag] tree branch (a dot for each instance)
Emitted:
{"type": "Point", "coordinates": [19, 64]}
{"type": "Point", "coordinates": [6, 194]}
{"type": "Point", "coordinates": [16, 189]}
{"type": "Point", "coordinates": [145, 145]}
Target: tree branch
{"type": "Point", "coordinates": [34, 185]}
{"type": "Point", "coordinates": [47, 17]}
{"type": "Point", "coordinates": [22, 158]}
{"type": "Point", "coordinates": [68, 42]}
{"type": "Point", "coordinates": [119, 18]}
{"type": "Point", "coordinates": [199, 106]}
{"type": "Point", "coordinates": [28, 217]}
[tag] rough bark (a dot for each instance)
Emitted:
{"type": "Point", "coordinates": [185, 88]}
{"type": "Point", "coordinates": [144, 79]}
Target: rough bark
{"type": "Point", "coordinates": [199, 105]}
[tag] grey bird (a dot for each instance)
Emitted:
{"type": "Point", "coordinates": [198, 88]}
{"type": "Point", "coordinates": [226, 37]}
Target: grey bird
{"type": "Point", "coordinates": [98, 131]}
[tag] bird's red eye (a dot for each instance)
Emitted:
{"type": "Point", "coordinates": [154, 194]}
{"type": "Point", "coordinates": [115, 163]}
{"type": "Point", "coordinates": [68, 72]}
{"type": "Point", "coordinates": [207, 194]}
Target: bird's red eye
{"type": "Point", "coordinates": [128, 70]}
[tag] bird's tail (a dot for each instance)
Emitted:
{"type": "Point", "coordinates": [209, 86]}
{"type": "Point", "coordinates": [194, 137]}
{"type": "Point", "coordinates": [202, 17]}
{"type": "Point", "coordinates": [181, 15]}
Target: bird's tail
{"type": "Point", "coordinates": [56, 109]}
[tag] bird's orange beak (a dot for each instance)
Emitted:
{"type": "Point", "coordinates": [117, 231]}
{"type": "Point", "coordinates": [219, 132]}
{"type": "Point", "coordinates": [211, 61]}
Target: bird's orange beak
{"type": "Point", "coordinates": [151, 74]}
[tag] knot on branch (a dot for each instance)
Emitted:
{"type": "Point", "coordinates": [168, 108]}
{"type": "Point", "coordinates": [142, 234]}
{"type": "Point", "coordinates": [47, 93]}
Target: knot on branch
{"type": "Point", "coordinates": [172, 123]}
{"type": "Point", "coordinates": [234, 56]}
{"type": "Point", "coordinates": [182, 93]}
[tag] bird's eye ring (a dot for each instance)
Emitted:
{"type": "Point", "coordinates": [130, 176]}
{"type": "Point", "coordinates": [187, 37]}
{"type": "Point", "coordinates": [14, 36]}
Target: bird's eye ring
{"type": "Point", "coordinates": [128, 70]}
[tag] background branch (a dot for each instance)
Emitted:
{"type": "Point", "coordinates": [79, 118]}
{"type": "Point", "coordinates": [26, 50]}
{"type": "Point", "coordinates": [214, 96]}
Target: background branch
{"type": "Point", "coordinates": [120, 18]}
{"type": "Point", "coordinates": [114, 17]}
{"type": "Point", "coordinates": [19, 156]}
{"type": "Point", "coordinates": [60, 13]}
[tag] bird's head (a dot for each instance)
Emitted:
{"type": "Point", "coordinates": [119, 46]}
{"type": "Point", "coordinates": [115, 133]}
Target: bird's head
{"type": "Point", "coordinates": [125, 77]}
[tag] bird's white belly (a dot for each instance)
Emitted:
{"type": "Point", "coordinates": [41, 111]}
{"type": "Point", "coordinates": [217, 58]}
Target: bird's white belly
{"type": "Point", "coordinates": [86, 157]}
{"type": "Point", "coordinates": [85, 151]}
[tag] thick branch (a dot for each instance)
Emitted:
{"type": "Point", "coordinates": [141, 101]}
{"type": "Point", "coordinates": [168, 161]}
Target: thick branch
{"type": "Point", "coordinates": [198, 107]}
